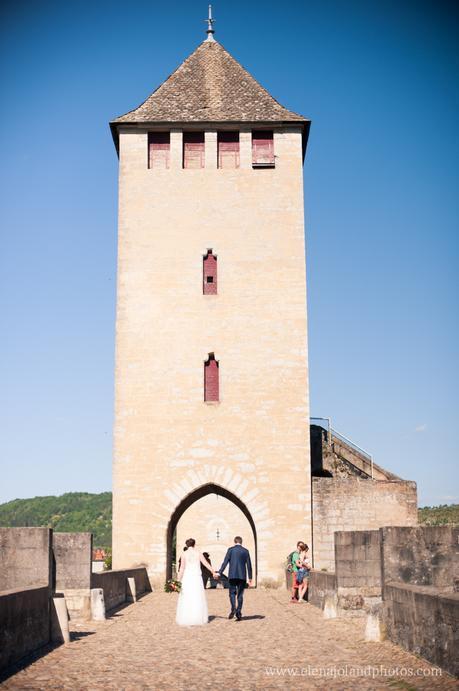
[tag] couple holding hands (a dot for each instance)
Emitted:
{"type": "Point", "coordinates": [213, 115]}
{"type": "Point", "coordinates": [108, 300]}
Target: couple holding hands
{"type": "Point", "coordinates": [192, 603]}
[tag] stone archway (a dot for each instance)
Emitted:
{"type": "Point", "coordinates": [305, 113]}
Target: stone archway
{"type": "Point", "coordinates": [189, 500]}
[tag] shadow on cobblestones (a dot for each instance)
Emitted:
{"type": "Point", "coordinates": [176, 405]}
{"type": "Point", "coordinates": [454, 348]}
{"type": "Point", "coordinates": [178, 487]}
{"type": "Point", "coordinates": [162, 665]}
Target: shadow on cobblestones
{"type": "Point", "coordinates": [30, 659]}
{"type": "Point", "coordinates": [24, 662]}
{"type": "Point", "coordinates": [76, 635]}
{"type": "Point", "coordinates": [116, 611]}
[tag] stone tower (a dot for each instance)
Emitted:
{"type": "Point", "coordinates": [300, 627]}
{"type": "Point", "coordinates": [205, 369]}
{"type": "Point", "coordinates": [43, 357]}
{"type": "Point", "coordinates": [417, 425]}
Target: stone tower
{"type": "Point", "coordinates": [211, 336]}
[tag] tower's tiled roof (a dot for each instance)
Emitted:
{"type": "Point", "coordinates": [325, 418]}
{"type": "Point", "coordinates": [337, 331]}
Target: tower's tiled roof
{"type": "Point", "coordinates": [210, 86]}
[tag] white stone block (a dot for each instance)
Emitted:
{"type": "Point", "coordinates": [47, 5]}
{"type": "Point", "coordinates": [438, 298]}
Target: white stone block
{"type": "Point", "coordinates": [330, 606]}
{"type": "Point", "coordinates": [97, 604]}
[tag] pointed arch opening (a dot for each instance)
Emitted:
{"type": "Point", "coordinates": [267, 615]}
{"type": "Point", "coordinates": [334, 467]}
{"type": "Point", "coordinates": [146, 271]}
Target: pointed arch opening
{"type": "Point", "coordinates": [185, 504]}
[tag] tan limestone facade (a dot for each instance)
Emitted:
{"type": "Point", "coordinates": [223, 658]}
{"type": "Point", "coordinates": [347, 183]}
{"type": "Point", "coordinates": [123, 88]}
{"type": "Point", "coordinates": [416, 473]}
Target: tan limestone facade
{"type": "Point", "coordinates": [171, 446]}
{"type": "Point", "coordinates": [352, 503]}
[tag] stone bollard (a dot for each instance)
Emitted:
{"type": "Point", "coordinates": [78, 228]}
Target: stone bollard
{"type": "Point", "coordinates": [132, 590]}
{"type": "Point", "coordinates": [59, 621]}
{"type": "Point", "coordinates": [97, 604]}
{"type": "Point", "coordinates": [374, 629]}
{"type": "Point", "coordinates": [330, 606]}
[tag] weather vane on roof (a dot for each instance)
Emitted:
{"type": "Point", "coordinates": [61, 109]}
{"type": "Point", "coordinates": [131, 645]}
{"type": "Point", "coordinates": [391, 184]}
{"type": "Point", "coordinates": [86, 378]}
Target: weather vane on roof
{"type": "Point", "coordinates": [210, 22]}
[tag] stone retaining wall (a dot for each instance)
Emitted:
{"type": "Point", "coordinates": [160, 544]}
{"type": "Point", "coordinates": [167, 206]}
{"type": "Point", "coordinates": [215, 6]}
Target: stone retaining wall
{"type": "Point", "coordinates": [321, 583]}
{"type": "Point", "coordinates": [422, 555]}
{"type": "Point", "coordinates": [25, 557]}
{"type": "Point", "coordinates": [424, 621]}
{"type": "Point", "coordinates": [116, 587]}
{"type": "Point", "coordinates": [73, 557]}
{"type": "Point", "coordinates": [24, 622]}
{"type": "Point", "coordinates": [358, 570]}
{"type": "Point", "coordinates": [28, 562]}
{"type": "Point", "coordinates": [354, 504]}
{"type": "Point", "coordinates": [73, 564]}
{"type": "Point", "coordinates": [419, 616]}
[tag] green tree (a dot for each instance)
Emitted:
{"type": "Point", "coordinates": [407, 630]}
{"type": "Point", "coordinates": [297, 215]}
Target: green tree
{"type": "Point", "coordinates": [439, 515]}
{"type": "Point", "coordinates": [70, 512]}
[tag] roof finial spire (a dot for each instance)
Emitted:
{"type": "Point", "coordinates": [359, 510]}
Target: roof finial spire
{"type": "Point", "coordinates": [210, 29]}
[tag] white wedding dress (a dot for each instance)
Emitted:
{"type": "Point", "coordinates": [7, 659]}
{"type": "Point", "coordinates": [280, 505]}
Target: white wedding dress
{"type": "Point", "coordinates": [192, 602]}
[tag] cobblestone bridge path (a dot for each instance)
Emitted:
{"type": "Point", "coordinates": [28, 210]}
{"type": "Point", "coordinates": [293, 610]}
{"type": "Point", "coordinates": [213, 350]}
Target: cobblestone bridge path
{"type": "Point", "coordinates": [276, 645]}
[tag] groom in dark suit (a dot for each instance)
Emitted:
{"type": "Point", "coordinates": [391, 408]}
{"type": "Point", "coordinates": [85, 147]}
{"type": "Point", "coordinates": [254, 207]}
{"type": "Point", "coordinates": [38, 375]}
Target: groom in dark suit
{"type": "Point", "coordinates": [240, 566]}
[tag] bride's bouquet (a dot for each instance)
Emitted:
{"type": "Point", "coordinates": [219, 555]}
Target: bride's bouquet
{"type": "Point", "coordinates": [172, 586]}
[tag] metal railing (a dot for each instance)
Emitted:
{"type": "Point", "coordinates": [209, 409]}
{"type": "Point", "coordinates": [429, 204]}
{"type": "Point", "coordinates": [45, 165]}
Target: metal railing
{"type": "Point", "coordinates": [333, 432]}
{"type": "Point", "coordinates": [328, 427]}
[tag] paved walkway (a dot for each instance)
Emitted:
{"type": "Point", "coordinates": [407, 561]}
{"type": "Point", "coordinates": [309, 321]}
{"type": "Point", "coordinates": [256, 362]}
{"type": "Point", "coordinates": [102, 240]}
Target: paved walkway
{"type": "Point", "coordinates": [276, 646]}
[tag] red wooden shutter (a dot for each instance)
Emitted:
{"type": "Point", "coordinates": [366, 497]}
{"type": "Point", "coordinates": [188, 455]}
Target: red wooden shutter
{"type": "Point", "coordinates": [159, 149]}
{"type": "Point", "coordinates": [228, 149]}
{"type": "Point", "coordinates": [209, 274]}
{"type": "Point", "coordinates": [193, 149]}
{"type": "Point", "coordinates": [262, 148]}
{"type": "Point", "coordinates": [211, 384]}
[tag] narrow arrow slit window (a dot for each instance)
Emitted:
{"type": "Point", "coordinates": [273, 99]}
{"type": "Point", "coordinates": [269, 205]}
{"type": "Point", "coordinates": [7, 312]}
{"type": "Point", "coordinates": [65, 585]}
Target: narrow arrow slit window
{"type": "Point", "coordinates": [209, 274]}
{"type": "Point", "coordinates": [211, 383]}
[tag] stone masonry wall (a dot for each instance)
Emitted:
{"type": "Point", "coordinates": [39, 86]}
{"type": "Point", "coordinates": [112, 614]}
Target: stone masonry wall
{"type": "Point", "coordinates": [358, 570]}
{"type": "Point", "coordinates": [73, 558]}
{"type": "Point", "coordinates": [423, 620]}
{"type": "Point", "coordinates": [358, 560]}
{"type": "Point", "coordinates": [415, 571]}
{"type": "Point", "coordinates": [356, 504]}
{"type": "Point", "coordinates": [423, 555]}
{"type": "Point", "coordinates": [24, 622]}
{"type": "Point", "coordinates": [25, 557]}
{"type": "Point", "coordinates": [115, 585]}
{"type": "Point", "coordinates": [73, 564]}
{"type": "Point", "coordinates": [321, 583]}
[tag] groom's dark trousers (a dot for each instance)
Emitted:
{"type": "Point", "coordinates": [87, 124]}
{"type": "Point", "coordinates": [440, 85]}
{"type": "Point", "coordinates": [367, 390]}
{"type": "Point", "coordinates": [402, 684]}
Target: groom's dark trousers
{"type": "Point", "coordinates": [240, 567]}
{"type": "Point", "coordinates": [236, 590]}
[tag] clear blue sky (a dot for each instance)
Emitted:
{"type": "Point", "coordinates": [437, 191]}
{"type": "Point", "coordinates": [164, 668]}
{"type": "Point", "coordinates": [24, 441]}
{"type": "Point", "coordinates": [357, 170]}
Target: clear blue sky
{"type": "Point", "coordinates": [379, 81]}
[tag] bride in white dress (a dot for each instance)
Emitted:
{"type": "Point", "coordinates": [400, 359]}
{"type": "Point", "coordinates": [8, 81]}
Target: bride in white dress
{"type": "Point", "coordinates": [192, 602]}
